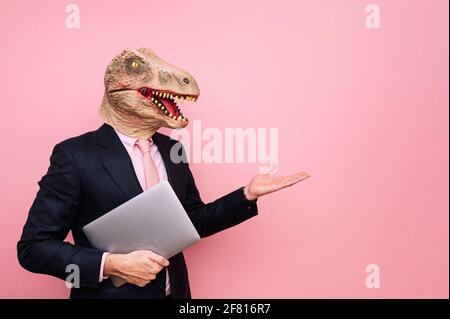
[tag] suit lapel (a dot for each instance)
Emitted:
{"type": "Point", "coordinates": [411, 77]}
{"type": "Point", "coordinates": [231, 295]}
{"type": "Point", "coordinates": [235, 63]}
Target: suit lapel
{"type": "Point", "coordinates": [115, 159]}
{"type": "Point", "coordinates": [117, 162]}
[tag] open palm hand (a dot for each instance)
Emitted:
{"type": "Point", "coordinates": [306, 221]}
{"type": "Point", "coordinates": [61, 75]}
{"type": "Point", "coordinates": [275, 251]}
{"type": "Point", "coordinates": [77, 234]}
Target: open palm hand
{"type": "Point", "coordinates": [263, 184]}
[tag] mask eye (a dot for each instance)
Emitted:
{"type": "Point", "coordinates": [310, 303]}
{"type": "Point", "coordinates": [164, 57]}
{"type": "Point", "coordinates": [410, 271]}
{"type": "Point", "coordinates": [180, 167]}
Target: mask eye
{"type": "Point", "coordinates": [134, 65]}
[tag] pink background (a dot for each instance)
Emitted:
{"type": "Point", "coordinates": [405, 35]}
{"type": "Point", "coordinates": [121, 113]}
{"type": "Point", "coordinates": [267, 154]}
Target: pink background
{"type": "Point", "coordinates": [364, 111]}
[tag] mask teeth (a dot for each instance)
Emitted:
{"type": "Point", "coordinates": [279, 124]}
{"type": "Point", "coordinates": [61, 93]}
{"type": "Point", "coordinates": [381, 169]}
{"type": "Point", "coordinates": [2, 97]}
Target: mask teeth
{"type": "Point", "coordinates": [177, 99]}
{"type": "Point", "coordinates": [181, 117]}
{"type": "Point", "coordinates": [174, 97]}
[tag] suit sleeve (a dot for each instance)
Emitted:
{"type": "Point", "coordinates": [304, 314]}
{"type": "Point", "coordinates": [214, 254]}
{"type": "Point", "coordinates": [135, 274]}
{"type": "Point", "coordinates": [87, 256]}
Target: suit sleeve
{"type": "Point", "coordinates": [223, 213]}
{"type": "Point", "coordinates": [41, 248]}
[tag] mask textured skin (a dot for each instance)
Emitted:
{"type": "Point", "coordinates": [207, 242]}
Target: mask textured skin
{"type": "Point", "coordinates": [126, 109]}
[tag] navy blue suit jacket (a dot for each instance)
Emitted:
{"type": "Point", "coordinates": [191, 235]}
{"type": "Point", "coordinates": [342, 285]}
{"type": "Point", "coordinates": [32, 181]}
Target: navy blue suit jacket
{"type": "Point", "coordinates": [91, 174]}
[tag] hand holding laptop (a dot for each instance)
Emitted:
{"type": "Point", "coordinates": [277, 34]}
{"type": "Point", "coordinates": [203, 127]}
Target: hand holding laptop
{"type": "Point", "coordinates": [138, 267]}
{"type": "Point", "coordinates": [142, 234]}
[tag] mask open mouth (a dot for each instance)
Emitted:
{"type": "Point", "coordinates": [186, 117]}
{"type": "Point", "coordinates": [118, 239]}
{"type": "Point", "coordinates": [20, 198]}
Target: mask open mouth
{"type": "Point", "coordinates": [168, 102]}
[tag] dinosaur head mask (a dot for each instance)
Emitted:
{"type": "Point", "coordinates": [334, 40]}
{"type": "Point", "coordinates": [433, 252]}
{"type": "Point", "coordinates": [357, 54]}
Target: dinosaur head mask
{"type": "Point", "coordinates": [143, 93]}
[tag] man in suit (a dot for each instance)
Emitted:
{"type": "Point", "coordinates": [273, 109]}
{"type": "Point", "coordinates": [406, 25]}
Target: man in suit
{"type": "Point", "coordinates": [91, 174]}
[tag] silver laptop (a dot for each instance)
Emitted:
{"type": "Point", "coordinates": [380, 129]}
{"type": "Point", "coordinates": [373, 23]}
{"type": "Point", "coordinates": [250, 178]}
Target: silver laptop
{"type": "Point", "coordinates": [153, 220]}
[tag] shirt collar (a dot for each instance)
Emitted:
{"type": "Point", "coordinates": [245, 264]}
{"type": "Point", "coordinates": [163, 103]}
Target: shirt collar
{"type": "Point", "coordinates": [128, 141]}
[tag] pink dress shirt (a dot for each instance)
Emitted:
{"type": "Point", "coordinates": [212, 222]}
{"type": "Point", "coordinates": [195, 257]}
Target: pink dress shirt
{"type": "Point", "coordinates": [136, 158]}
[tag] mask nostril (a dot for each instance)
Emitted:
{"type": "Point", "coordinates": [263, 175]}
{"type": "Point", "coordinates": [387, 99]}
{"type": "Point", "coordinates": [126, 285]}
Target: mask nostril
{"type": "Point", "coordinates": [186, 80]}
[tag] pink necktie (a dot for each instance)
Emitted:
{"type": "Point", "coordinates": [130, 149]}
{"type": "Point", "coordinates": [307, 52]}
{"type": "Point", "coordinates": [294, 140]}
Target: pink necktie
{"type": "Point", "coordinates": [151, 178]}
{"type": "Point", "coordinates": [151, 174]}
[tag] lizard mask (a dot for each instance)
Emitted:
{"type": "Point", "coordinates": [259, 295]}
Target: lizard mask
{"type": "Point", "coordinates": [143, 93]}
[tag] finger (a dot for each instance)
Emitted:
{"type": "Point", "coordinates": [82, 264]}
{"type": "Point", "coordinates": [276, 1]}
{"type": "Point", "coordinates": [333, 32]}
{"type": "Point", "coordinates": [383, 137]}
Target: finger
{"type": "Point", "coordinates": [140, 281]}
{"type": "Point", "coordinates": [146, 279]}
{"type": "Point", "coordinates": [293, 179]}
{"type": "Point", "coordinates": [143, 283]}
{"type": "Point", "coordinates": [300, 176]}
{"type": "Point", "coordinates": [155, 267]}
{"type": "Point", "coordinates": [157, 258]}
{"type": "Point", "coordinates": [285, 181]}
{"type": "Point", "coordinates": [149, 277]}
